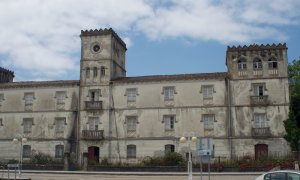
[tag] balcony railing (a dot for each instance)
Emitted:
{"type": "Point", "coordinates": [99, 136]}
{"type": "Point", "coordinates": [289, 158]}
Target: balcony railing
{"type": "Point", "coordinates": [261, 132]}
{"type": "Point", "coordinates": [92, 134]}
{"type": "Point", "coordinates": [259, 100]}
{"type": "Point", "coordinates": [93, 105]}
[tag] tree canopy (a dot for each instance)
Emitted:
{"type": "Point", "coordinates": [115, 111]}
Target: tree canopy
{"type": "Point", "coordinates": [292, 124]}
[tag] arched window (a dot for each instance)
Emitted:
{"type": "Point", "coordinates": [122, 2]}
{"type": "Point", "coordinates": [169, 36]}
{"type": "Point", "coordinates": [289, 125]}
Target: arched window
{"type": "Point", "coordinates": [59, 151]}
{"type": "Point", "coordinates": [26, 151]}
{"type": "Point", "coordinates": [242, 64]}
{"type": "Point", "coordinates": [102, 71]}
{"type": "Point", "coordinates": [272, 63]}
{"type": "Point", "coordinates": [131, 151]}
{"type": "Point", "coordinates": [87, 72]}
{"type": "Point", "coordinates": [257, 63]}
{"type": "Point", "coordinates": [95, 71]}
{"type": "Point", "coordinates": [169, 148]}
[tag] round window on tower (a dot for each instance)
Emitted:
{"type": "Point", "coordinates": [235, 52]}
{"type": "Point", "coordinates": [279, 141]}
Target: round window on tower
{"type": "Point", "coordinates": [95, 47]}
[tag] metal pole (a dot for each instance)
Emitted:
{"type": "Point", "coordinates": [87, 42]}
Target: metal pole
{"type": "Point", "coordinates": [200, 167]}
{"type": "Point", "coordinates": [190, 161]}
{"type": "Point", "coordinates": [21, 157]}
{"type": "Point", "coordinates": [209, 167]}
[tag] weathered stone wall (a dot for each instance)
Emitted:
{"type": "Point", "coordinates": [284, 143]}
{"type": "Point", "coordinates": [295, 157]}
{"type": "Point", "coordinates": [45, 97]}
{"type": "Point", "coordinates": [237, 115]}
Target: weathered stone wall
{"type": "Point", "coordinates": [43, 136]}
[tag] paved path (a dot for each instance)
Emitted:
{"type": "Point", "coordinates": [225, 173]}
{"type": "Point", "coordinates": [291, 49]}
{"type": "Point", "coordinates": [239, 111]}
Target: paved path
{"type": "Point", "coordinates": [136, 176]}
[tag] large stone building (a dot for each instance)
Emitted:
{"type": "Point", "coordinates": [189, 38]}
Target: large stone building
{"type": "Point", "coordinates": [108, 115]}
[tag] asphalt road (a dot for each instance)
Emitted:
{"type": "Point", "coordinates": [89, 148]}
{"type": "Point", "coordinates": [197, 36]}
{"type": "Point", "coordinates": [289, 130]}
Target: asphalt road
{"type": "Point", "coordinates": [46, 176]}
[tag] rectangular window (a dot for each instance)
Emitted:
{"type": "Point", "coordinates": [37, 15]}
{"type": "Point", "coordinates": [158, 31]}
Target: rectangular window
{"type": "Point", "coordinates": [260, 120]}
{"type": "Point", "coordinates": [28, 97]}
{"type": "Point", "coordinates": [207, 91]}
{"type": "Point", "coordinates": [102, 71]}
{"type": "Point", "coordinates": [208, 121]}
{"type": "Point", "coordinates": [60, 124]}
{"type": "Point", "coordinates": [131, 94]}
{"type": "Point", "coordinates": [94, 94]}
{"type": "Point", "coordinates": [131, 122]}
{"type": "Point", "coordinates": [61, 97]}
{"type": "Point", "coordinates": [95, 72]}
{"type": "Point", "coordinates": [27, 124]}
{"type": "Point", "coordinates": [93, 123]}
{"type": "Point", "coordinates": [131, 151]}
{"type": "Point", "coordinates": [59, 151]}
{"type": "Point", "coordinates": [258, 89]}
{"type": "Point", "coordinates": [87, 72]}
{"type": "Point", "coordinates": [169, 121]}
{"type": "Point", "coordinates": [26, 151]}
{"type": "Point", "coordinates": [169, 93]}
{"type": "Point", "coordinates": [169, 148]}
{"type": "Point", "coordinates": [1, 122]}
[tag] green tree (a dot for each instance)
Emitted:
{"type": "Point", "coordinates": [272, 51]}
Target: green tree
{"type": "Point", "coordinates": [292, 124]}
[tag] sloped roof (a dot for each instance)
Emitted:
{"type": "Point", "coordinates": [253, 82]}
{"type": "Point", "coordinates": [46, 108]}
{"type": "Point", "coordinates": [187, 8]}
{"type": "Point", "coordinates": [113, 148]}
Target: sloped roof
{"type": "Point", "coordinates": [216, 75]}
{"type": "Point", "coordinates": [40, 84]}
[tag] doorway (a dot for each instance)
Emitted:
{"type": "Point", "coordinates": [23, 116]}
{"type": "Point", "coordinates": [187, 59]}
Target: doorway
{"type": "Point", "coordinates": [93, 155]}
{"type": "Point", "coordinates": [261, 151]}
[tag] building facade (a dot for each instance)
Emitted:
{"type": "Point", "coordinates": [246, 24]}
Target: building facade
{"type": "Point", "coordinates": [106, 114]}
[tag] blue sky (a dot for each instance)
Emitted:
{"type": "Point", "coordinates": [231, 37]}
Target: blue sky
{"type": "Point", "coordinates": [39, 39]}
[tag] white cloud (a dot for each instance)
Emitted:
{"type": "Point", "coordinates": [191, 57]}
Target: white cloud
{"type": "Point", "coordinates": [42, 36]}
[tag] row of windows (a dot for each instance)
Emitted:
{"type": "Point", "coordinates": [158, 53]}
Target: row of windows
{"type": "Point", "coordinates": [59, 123]}
{"type": "Point", "coordinates": [131, 150]}
{"type": "Point", "coordinates": [169, 92]}
{"type": "Point", "coordinates": [94, 71]}
{"type": "Point", "coordinates": [29, 97]}
{"type": "Point", "coordinates": [170, 120]}
{"type": "Point", "coordinates": [59, 151]}
{"type": "Point", "coordinates": [207, 91]}
{"type": "Point", "coordinates": [257, 63]}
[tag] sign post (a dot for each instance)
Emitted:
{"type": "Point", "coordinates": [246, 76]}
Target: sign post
{"type": "Point", "coordinates": [204, 147]}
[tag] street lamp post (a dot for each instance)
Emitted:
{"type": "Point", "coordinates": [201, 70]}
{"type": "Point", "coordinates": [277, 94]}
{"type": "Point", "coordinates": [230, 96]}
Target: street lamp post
{"type": "Point", "coordinates": [20, 139]}
{"type": "Point", "coordinates": [190, 138]}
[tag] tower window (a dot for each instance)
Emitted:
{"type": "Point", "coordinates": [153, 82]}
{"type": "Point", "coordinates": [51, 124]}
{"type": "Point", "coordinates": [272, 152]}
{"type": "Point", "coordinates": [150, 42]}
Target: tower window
{"type": "Point", "coordinates": [242, 64]}
{"type": "Point", "coordinates": [257, 64]}
{"type": "Point", "coordinates": [95, 71]}
{"type": "Point", "coordinates": [87, 72]}
{"type": "Point", "coordinates": [272, 63]}
{"type": "Point", "coordinates": [102, 71]}
{"type": "Point", "coordinates": [96, 48]}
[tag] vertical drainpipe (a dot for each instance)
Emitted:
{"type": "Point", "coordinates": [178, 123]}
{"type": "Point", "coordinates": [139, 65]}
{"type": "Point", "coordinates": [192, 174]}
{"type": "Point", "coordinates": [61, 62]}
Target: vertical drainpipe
{"type": "Point", "coordinates": [78, 157]}
{"type": "Point", "coordinates": [109, 101]}
{"type": "Point", "coordinates": [229, 127]}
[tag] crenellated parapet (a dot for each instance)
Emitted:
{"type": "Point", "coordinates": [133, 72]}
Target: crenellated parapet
{"type": "Point", "coordinates": [256, 47]}
{"type": "Point", "coordinates": [6, 75]}
{"type": "Point", "coordinates": [105, 31]}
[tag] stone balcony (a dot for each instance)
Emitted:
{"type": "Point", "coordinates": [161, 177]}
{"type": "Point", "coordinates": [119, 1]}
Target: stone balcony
{"type": "Point", "coordinates": [93, 105]}
{"type": "Point", "coordinates": [261, 132]}
{"type": "Point", "coordinates": [259, 100]}
{"type": "Point", "coordinates": [92, 134]}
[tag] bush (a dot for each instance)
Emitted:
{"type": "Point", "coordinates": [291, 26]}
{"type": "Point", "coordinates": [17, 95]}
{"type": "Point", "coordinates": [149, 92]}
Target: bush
{"type": "Point", "coordinates": [170, 159]}
{"type": "Point", "coordinates": [173, 159]}
{"type": "Point", "coordinates": [41, 158]}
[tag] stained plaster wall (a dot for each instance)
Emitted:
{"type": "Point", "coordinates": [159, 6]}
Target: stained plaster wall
{"type": "Point", "coordinates": [42, 137]}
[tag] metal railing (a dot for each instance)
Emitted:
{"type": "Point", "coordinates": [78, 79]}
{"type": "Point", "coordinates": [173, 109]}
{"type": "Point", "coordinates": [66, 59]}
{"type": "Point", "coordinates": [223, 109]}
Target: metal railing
{"type": "Point", "coordinates": [93, 134]}
{"type": "Point", "coordinates": [93, 105]}
{"type": "Point", "coordinates": [261, 132]}
{"type": "Point", "coordinates": [259, 100]}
